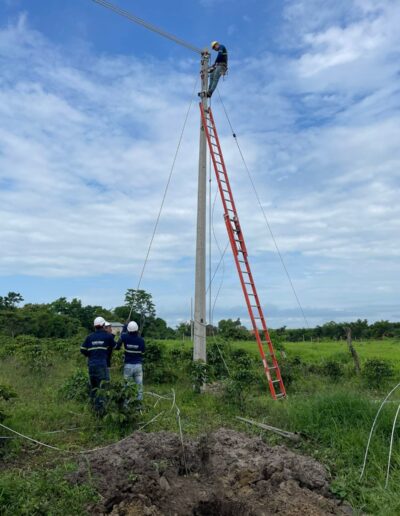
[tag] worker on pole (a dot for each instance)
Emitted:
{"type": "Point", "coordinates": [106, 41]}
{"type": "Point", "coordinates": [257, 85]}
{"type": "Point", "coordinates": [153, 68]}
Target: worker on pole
{"type": "Point", "coordinates": [219, 67]}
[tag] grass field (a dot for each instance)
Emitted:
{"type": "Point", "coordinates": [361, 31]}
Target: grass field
{"type": "Point", "coordinates": [334, 414]}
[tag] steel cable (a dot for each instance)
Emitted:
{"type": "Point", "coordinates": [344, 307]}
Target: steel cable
{"type": "Point", "coordinates": [149, 26]}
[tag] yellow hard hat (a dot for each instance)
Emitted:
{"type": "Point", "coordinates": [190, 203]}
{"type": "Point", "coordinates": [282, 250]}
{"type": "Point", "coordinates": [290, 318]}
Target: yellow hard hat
{"type": "Point", "coordinates": [213, 43]}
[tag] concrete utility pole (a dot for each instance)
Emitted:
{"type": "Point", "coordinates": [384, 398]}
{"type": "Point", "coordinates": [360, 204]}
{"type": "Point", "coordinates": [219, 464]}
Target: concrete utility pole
{"type": "Point", "coordinates": [199, 342]}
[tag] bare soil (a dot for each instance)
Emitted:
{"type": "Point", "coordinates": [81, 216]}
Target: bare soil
{"type": "Point", "coordinates": [220, 474]}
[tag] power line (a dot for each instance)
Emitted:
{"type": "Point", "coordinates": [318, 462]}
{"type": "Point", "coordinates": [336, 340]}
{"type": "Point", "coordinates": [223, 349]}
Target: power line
{"type": "Point", "coordinates": [149, 26]}
{"type": "Point", "coordinates": [263, 212]}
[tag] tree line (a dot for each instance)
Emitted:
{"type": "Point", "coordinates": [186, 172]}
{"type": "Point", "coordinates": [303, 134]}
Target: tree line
{"type": "Point", "coordinates": [62, 319]}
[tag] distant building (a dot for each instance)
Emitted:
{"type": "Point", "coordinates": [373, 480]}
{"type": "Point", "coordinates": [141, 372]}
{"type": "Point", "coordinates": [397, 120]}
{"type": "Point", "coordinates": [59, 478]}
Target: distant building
{"type": "Point", "coordinates": [116, 327]}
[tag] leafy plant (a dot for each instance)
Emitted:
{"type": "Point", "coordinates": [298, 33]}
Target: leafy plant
{"type": "Point", "coordinates": [332, 369]}
{"type": "Point", "coordinates": [239, 385]}
{"type": "Point", "coordinates": [198, 374]}
{"type": "Point", "coordinates": [120, 403]}
{"type": "Point", "coordinates": [36, 357]}
{"type": "Point", "coordinates": [377, 372]}
{"type": "Point", "coordinates": [76, 387]}
{"type": "Point", "coordinates": [6, 395]}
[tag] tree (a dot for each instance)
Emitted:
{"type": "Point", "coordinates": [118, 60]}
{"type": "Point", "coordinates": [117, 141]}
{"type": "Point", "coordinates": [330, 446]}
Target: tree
{"type": "Point", "coordinates": [141, 302]}
{"type": "Point", "coordinates": [232, 329]}
{"type": "Point", "coordinates": [10, 301]}
{"type": "Point", "coordinates": [183, 329]}
{"type": "Point", "coordinates": [75, 309]}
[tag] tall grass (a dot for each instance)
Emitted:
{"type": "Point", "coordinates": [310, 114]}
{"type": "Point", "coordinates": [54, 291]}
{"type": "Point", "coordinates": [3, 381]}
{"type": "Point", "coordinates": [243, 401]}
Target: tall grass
{"type": "Point", "coordinates": [334, 416]}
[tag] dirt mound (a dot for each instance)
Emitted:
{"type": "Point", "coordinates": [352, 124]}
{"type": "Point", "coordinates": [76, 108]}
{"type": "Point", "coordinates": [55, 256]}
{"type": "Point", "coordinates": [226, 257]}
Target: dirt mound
{"type": "Point", "coordinates": [221, 474]}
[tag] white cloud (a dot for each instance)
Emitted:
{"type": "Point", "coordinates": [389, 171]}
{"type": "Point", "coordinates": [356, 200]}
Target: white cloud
{"type": "Point", "coordinates": [87, 141]}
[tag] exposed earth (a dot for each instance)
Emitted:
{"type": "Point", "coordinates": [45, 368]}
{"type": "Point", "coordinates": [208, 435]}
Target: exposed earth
{"type": "Point", "coordinates": [220, 474]}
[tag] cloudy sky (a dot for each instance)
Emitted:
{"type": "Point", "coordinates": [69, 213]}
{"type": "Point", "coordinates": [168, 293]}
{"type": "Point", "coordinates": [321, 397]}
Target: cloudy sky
{"type": "Point", "coordinates": [91, 109]}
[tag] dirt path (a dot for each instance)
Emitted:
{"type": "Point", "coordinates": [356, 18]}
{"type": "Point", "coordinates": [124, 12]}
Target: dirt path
{"type": "Point", "coordinates": [224, 473]}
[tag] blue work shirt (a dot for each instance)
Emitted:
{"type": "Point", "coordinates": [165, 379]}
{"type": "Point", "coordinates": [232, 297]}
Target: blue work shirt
{"type": "Point", "coordinates": [98, 347]}
{"type": "Point", "coordinates": [222, 56]}
{"type": "Point", "coordinates": [133, 347]}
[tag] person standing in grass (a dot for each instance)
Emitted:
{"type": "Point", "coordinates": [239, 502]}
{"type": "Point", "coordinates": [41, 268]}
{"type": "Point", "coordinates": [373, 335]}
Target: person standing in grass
{"type": "Point", "coordinates": [134, 347]}
{"type": "Point", "coordinates": [97, 348]}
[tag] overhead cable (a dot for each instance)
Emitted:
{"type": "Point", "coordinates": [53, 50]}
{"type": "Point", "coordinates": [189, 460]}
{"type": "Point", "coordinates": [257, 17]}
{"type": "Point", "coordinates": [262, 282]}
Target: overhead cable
{"type": "Point", "coordinates": [263, 212]}
{"type": "Point", "coordinates": [148, 26]}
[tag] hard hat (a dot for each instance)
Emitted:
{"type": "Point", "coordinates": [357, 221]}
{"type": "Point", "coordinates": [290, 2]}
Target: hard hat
{"type": "Point", "coordinates": [99, 321]}
{"type": "Point", "coordinates": [213, 43]}
{"type": "Point", "coordinates": [132, 326]}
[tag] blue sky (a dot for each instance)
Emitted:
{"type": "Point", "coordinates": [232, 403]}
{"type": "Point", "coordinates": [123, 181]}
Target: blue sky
{"type": "Point", "coordinates": [91, 108]}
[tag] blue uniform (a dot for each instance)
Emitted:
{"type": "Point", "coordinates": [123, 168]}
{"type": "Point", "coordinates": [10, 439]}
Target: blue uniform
{"type": "Point", "coordinates": [98, 347]}
{"type": "Point", "coordinates": [133, 347]}
{"type": "Point", "coordinates": [222, 56]}
{"type": "Point", "coordinates": [218, 69]}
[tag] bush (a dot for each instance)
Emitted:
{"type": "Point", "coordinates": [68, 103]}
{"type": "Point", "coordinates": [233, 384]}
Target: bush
{"type": "Point", "coordinates": [332, 369]}
{"type": "Point", "coordinates": [198, 374]}
{"type": "Point", "coordinates": [241, 358]}
{"type": "Point", "coordinates": [239, 385]}
{"type": "Point", "coordinates": [377, 372]}
{"type": "Point", "coordinates": [120, 403]}
{"type": "Point", "coordinates": [217, 357]}
{"type": "Point", "coordinates": [6, 395]}
{"type": "Point", "coordinates": [76, 387]}
{"type": "Point", "coordinates": [35, 356]}
{"type": "Point", "coordinates": [157, 368]}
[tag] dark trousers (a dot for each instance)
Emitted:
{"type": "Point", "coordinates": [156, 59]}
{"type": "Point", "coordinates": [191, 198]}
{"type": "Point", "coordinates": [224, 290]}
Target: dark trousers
{"type": "Point", "coordinates": [97, 374]}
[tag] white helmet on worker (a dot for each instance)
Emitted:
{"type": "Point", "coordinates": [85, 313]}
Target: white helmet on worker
{"type": "Point", "coordinates": [99, 321]}
{"type": "Point", "coordinates": [132, 326]}
{"type": "Point", "coordinates": [213, 43]}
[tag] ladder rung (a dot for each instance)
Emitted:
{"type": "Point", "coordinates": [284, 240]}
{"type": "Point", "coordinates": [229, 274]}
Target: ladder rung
{"type": "Point", "coordinates": [275, 381]}
{"type": "Point", "coordinates": [280, 395]}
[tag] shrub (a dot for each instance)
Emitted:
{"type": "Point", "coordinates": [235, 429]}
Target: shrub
{"type": "Point", "coordinates": [198, 374]}
{"type": "Point", "coordinates": [239, 385]}
{"type": "Point", "coordinates": [217, 357]}
{"type": "Point", "coordinates": [35, 356]}
{"type": "Point", "coordinates": [6, 395]}
{"type": "Point", "coordinates": [377, 372]}
{"type": "Point", "coordinates": [157, 367]}
{"type": "Point", "coordinates": [241, 358]}
{"type": "Point", "coordinates": [76, 387]}
{"type": "Point", "coordinates": [332, 369]}
{"type": "Point", "coordinates": [120, 403]}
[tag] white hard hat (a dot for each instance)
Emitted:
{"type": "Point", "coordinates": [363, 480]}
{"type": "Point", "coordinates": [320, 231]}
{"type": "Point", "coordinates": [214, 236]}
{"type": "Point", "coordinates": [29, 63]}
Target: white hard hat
{"type": "Point", "coordinates": [99, 321]}
{"type": "Point", "coordinates": [132, 326]}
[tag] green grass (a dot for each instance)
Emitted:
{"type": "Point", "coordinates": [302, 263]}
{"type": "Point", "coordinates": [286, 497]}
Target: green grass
{"type": "Point", "coordinates": [333, 416]}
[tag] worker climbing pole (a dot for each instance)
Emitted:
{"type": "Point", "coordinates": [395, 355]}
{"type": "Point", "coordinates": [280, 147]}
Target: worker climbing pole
{"type": "Point", "coordinates": [236, 238]}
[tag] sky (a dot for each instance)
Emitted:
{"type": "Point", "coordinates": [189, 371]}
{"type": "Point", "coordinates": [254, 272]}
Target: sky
{"type": "Point", "coordinates": [91, 112]}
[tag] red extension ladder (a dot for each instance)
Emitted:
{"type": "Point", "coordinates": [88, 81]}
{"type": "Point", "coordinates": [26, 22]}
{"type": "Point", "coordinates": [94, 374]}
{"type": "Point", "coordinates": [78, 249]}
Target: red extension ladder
{"type": "Point", "coordinates": [270, 363]}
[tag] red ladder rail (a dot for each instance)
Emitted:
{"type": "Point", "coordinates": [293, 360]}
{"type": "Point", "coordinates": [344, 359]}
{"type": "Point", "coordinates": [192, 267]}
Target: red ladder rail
{"type": "Point", "coordinates": [236, 238]}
